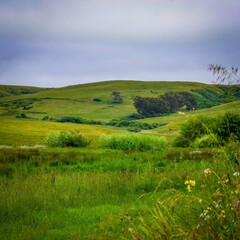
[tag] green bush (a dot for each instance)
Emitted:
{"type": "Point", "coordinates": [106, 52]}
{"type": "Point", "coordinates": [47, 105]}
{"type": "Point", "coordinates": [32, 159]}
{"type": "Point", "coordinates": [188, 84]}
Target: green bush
{"type": "Point", "coordinates": [22, 115]}
{"type": "Point", "coordinates": [206, 141]}
{"type": "Point", "coordinates": [134, 142]}
{"type": "Point", "coordinates": [181, 141]}
{"type": "Point", "coordinates": [228, 126]}
{"type": "Point", "coordinates": [67, 139]}
{"type": "Point", "coordinates": [223, 127]}
{"type": "Point", "coordinates": [97, 100]}
{"type": "Point", "coordinates": [45, 118]}
{"type": "Point", "coordinates": [197, 127]}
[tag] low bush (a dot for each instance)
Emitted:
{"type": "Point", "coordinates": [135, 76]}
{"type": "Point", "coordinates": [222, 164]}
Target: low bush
{"type": "Point", "coordinates": [181, 141]}
{"type": "Point", "coordinates": [206, 141]}
{"type": "Point", "coordinates": [134, 142]}
{"type": "Point", "coordinates": [197, 127]}
{"type": "Point", "coordinates": [97, 100]}
{"type": "Point", "coordinates": [67, 139]}
{"type": "Point", "coordinates": [22, 115]}
{"type": "Point", "coordinates": [228, 126]}
{"type": "Point", "coordinates": [133, 116]}
{"type": "Point", "coordinates": [134, 124]}
{"type": "Point", "coordinates": [71, 119]}
{"type": "Point", "coordinates": [223, 127]}
{"type": "Point", "coordinates": [45, 118]}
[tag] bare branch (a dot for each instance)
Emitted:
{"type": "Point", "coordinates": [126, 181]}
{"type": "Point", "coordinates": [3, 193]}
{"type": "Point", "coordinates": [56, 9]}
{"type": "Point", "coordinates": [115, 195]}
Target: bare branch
{"type": "Point", "coordinates": [224, 75]}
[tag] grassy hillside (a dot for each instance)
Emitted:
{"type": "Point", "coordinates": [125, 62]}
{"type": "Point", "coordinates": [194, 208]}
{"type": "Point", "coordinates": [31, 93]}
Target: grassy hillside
{"type": "Point", "coordinates": [15, 131]}
{"type": "Point", "coordinates": [100, 193]}
{"type": "Point", "coordinates": [78, 100]}
{"type": "Point", "coordinates": [7, 90]}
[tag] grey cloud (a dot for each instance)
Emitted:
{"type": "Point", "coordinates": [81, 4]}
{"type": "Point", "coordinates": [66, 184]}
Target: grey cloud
{"type": "Point", "coordinates": [119, 20]}
{"type": "Point", "coordinates": [62, 42]}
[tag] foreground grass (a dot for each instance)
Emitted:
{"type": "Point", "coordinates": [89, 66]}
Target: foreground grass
{"type": "Point", "coordinates": [57, 193]}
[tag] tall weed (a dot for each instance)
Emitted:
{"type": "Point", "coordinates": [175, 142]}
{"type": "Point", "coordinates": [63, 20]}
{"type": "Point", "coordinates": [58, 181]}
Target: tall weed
{"type": "Point", "coordinates": [134, 142]}
{"type": "Point", "coordinates": [67, 139]}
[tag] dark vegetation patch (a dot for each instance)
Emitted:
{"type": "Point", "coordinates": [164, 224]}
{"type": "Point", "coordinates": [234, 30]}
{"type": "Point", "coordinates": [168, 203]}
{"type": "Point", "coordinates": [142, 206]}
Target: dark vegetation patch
{"type": "Point", "coordinates": [168, 103]}
{"type": "Point", "coordinates": [16, 90]}
{"type": "Point", "coordinates": [172, 102]}
{"type": "Point", "coordinates": [67, 139]}
{"type": "Point", "coordinates": [97, 100]}
{"type": "Point", "coordinates": [207, 98]}
{"type": "Point", "coordinates": [132, 126]}
{"type": "Point", "coordinates": [210, 132]}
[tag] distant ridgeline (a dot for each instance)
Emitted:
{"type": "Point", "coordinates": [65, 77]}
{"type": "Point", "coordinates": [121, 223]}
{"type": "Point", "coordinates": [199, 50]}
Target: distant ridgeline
{"type": "Point", "coordinates": [172, 102]}
{"type": "Point", "coordinates": [6, 91]}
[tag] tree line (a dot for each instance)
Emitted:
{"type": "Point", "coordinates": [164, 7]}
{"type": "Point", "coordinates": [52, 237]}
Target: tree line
{"type": "Point", "coordinates": [170, 102]}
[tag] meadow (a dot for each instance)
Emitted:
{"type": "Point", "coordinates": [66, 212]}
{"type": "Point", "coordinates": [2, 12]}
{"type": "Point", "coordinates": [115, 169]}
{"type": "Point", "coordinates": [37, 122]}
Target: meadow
{"type": "Point", "coordinates": [97, 192]}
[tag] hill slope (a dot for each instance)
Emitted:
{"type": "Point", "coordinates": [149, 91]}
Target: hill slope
{"type": "Point", "coordinates": [78, 100]}
{"type": "Point", "coordinates": [7, 90]}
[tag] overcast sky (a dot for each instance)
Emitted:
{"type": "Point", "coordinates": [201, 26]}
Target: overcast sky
{"type": "Point", "coordinates": [53, 43]}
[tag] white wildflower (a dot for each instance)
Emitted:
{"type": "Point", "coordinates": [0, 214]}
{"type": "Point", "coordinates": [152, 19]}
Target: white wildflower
{"type": "Point", "coordinates": [207, 172]}
{"type": "Point", "coordinates": [236, 174]}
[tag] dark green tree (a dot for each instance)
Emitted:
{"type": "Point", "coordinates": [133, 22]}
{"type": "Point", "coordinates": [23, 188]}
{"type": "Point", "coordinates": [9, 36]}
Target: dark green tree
{"type": "Point", "coordinates": [116, 97]}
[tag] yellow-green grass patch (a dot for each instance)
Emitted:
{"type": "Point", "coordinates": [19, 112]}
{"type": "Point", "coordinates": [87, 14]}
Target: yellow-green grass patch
{"type": "Point", "coordinates": [30, 132]}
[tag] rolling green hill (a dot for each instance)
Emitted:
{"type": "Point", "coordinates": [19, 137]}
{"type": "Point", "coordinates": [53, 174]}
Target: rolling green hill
{"type": "Point", "coordinates": [93, 101]}
{"type": "Point", "coordinates": [7, 90]}
{"type": "Point", "coordinates": [78, 101]}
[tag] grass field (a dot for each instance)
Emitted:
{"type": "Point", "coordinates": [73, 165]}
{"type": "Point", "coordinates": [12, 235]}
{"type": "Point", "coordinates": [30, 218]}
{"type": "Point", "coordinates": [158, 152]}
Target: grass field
{"type": "Point", "coordinates": [78, 101]}
{"type": "Point", "coordinates": [99, 193]}
{"type": "Point", "coordinates": [15, 131]}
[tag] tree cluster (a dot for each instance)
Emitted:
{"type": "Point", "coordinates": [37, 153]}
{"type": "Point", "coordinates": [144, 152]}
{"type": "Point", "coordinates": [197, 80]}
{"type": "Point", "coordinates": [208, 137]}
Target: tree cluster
{"type": "Point", "coordinates": [116, 97]}
{"type": "Point", "coordinates": [170, 102]}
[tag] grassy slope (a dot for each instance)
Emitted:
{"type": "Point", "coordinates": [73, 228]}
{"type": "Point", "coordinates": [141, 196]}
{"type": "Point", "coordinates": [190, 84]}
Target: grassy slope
{"type": "Point", "coordinates": [49, 197]}
{"type": "Point", "coordinates": [15, 131]}
{"type": "Point", "coordinates": [175, 121]}
{"type": "Point", "coordinates": [8, 90]}
{"type": "Point", "coordinates": [78, 100]}
{"type": "Point", "coordinates": [28, 132]}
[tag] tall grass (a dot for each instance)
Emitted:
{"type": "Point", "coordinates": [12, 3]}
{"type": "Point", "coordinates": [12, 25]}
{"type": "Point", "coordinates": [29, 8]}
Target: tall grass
{"type": "Point", "coordinates": [134, 142]}
{"type": "Point", "coordinates": [57, 193]}
{"type": "Point", "coordinates": [67, 139]}
{"type": "Point", "coordinates": [209, 209]}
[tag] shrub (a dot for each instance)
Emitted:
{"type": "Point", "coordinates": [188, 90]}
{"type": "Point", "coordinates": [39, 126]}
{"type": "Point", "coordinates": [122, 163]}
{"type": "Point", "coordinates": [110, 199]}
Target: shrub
{"type": "Point", "coordinates": [67, 139]}
{"type": "Point", "coordinates": [206, 141]}
{"type": "Point", "coordinates": [45, 118]}
{"type": "Point", "coordinates": [194, 128]}
{"type": "Point", "coordinates": [134, 124]}
{"type": "Point", "coordinates": [71, 120]}
{"type": "Point", "coordinates": [228, 126]}
{"type": "Point", "coordinates": [223, 127]}
{"type": "Point", "coordinates": [134, 142]}
{"type": "Point", "coordinates": [22, 115]}
{"type": "Point", "coordinates": [197, 127]}
{"type": "Point", "coordinates": [97, 100]}
{"type": "Point", "coordinates": [181, 141]}
{"type": "Point", "coordinates": [133, 116]}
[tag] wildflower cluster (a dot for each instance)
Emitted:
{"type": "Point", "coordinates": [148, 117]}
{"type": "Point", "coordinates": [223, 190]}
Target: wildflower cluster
{"type": "Point", "coordinates": [223, 207]}
{"type": "Point", "coordinates": [207, 172]}
{"type": "Point", "coordinates": [190, 184]}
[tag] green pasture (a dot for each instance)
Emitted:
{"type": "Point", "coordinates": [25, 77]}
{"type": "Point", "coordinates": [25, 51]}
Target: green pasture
{"type": "Point", "coordinates": [17, 132]}
{"type": "Point", "coordinates": [78, 100]}
{"type": "Point", "coordinates": [99, 193]}
{"type": "Point", "coordinates": [54, 193]}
